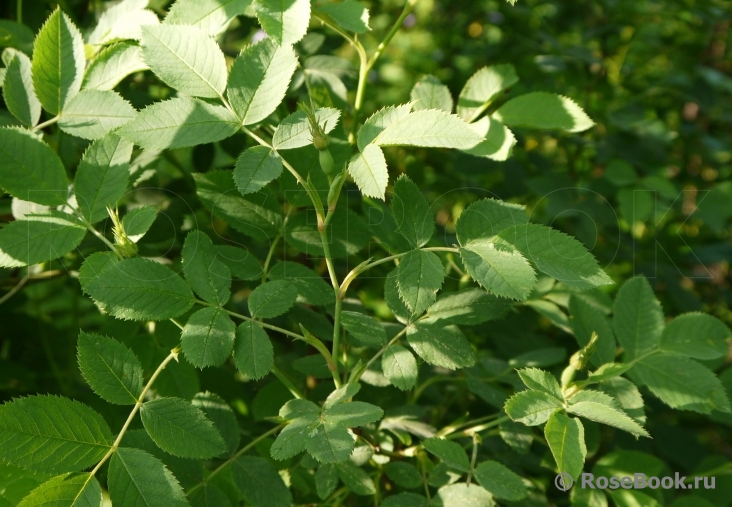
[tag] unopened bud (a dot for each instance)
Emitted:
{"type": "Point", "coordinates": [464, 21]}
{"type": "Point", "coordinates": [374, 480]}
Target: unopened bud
{"type": "Point", "coordinates": [581, 358]}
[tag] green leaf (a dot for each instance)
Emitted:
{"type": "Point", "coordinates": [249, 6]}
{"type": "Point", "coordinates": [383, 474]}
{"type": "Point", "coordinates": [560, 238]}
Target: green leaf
{"type": "Point", "coordinates": [605, 372]}
{"type": "Point", "coordinates": [531, 407]}
{"type": "Point", "coordinates": [404, 474]}
{"type": "Point", "coordinates": [356, 479]}
{"type": "Point", "coordinates": [69, 490]}
{"type": "Point", "coordinates": [352, 414]}
{"type": "Point", "coordinates": [94, 265]}
{"type": "Point", "coordinates": [485, 218]}
{"type": "Point", "coordinates": [330, 443]}
{"type": "Point", "coordinates": [379, 121]}
{"type": "Point", "coordinates": [566, 439]}
{"type": "Point", "coordinates": [241, 263]}
{"type": "Point", "coordinates": [682, 383]}
{"type": "Point", "coordinates": [392, 299]}
{"type": "Point", "coordinates": [272, 299]}
{"type": "Point", "coordinates": [304, 416]}
{"type": "Point", "coordinates": [498, 141]}
{"type": "Point", "coordinates": [400, 367]}
{"type": "Point", "coordinates": [696, 335]}
{"type": "Point", "coordinates": [366, 330]}
{"type": "Point", "coordinates": [122, 20]}
{"type": "Point", "coordinates": [448, 451]}
{"type": "Point", "coordinates": [286, 22]}
{"type": "Point", "coordinates": [256, 167]}
{"type": "Point", "coordinates": [326, 480]}
{"type": "Point", "coordinates": [18, 93]}
{"type": "Point", "coordinates": [539, 357]}
{"type": "Point", "coordinates": [207, 276]}
{"type": "Point", "coordinates": [39, 238]}
{"type": "Point", "coordinates": [517, 436]}
{"type": "Point", "coordinates": [412, 214]}
{"type": "Point", "coordinates": [430, 93]}
{"type": "Point", "coordinates": [482, 88]}
{"type": "Point", "coordinates": [540, 380]}
{"type": "Point", "coordinates": [490, 394]}
{"type": "Point", "coordinates": [222, 416]}
{"type": "Point", "coordinates": [294, 130]}
{"type": "Point", "coordinates": [259, 80]}
{"type": "Point", "coordinates": [419, 276]}
{"type": "Point", "coordinates": [253, 353]}
{"type": "Point", "coordinates": [259, 482]}
{"type": "Point", "coordinates": [30, 170]}
{"type": "Point", "coordinates": [498, 269]}
{"type": "Point", "coordinates": [138, 221]}
{"type": "Point", "coordinates": [209, 496]}
{"type": "Point", "coordinates": [185, 58]}
{"type": "Point", "coordinates": [16, 35]}
{"type": "Point", "coordinates": [405, 500]}
{"type": "Point", "coordinates": [441, 346]}
{"type": "Point", "coordinates": [211, 16]}
{"type": "Point", "coordinates": [342, 394]}
{"type": "Point", "coordinates": [368, 169]}
{"type": "Point", "coordinates": [52, 434]}
{"type": "Point", "coordinates": [638, 318]}
{"type": "Point", "coordinates": [350, 14]}
{"type": "Point", "coordinates": [137, 479]}
{"type": "Point", "coordinates": [544, 111]}
{"type": "Point", "coordinates": [311, 288]}
{"type": "Point", "coordinates": [90, 114]}
{"type": "Point", "coordinates": [102, 175]}
{"type": "Point", "coordinates": [462, 494]}
{"type": "Point", "coordinates": [58, 62]}
{"type": "Point", "coordinates": [429, 128]}
{"type": "Point", "coordinates": [208, 337]}
{"type": "Point", "coordinates": [468, 307]}
{"type": "Point", "coordinates": [347, 233]}
{"type": "Point", "coordinates": [588, 319]}
{"type": "Point", "coordinates": [257, 215]}
{"type": "Point", "coordinates": [181, 429]}
{"type": "Point", "coordinates": [111, 369]}
{"type": "Point", "coordinates": [500, 481]}
{"type": "Point", "coordinates": [112, 65]}
{"type": "Point", "coordinates": [592, 407]}
{"type": "Point", "coordinates": [179, 123]}
{"type": "Point", "coordinates": [140, 289]}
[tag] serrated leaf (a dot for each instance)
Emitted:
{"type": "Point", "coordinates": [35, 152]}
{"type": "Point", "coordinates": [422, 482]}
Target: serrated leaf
{"type": "Point", "coordinates": [253, 353]}
{"type": "Point", "coordinates": [502, 271]}
{"type": "Point", "coordinates": [468, 307]}
{"type": "Point", "coordinates": [379, 121]}
{"type": "Point", "coordinates": [186, 59]}
{"type": "Point", "coordinates": [112, 65]}
{"type": "Point", "coordinates": [366, 330]}
{"type": "Point", "coordinates": [259, 80]}
{"type": "Point", "coordinates": [638, 318]}
{"type": "Point", "coordinates": [16, 35]}
{"type": "Point", "coordinates": [211, 16]}
{"type": "Point", "coordinates": [627, 396]}
{"type": "Point", "coordinates": [326, 480]}
{"type": "Point", "coordinates": [102, 175]}
{"type": "Point", "coordinates": [209, 496]}
{"type": "Point", "coordinates": [412, 214]}
{"type": "Point", "coordinates": [405, 500]}
{"type": "Point", "coordinates": [430, 93]}
{"type": "Point", "coordinates": [591, 406]}
{"type": "Point", "coordinates": [179, 123]}
{"type": "Point", "coordinates": [347, 233]}
{"type": "Point", "coordinates": [498, 141]}
{"type": "Point", "coordinates": [696, 335]}
{"type": "Point", "coordinates": [123, 20]}
{"type": "Point", "coordinates": [343, 393]}
{"type": "Point", "coordinates": [330, 443]}
{"type": "Point", "coordinates": [404, 474]}
{"type": "Point", "coordinates": [52, 434]}
{"type": "Point", "coordinates": [140, 289]}
{"type": "Point", "coordinates": [30, 170]}
{"type": "Point", "coordinates": [352, 414]}
{"type": "Point", "coordinates": [138, 221]}
{"type": "Point", "coordinates": [540, 380]}
{"type": "Point", "coordinates": [94, 265]}
{"type": "Point", "coordinates": [429, 128]}
{"type": "Point", "coordinates": [58, 62]}
{"type": "Point", "coordinates": [69, 490]}
{"type": "Point", "coordinates": [304, 416]}
{"type": "Point", "coordinates": [241, 262]}
{"type": "Point", "coordinates": [90, 114]}
{"type": "Point", "coordinates": [350, 14]}
{"type": "Point", "coordinates": [400, 367]}
{"type": "Point", "coordinates": [531, 407]}
{"type": "Point", "coordinates": [311, 288]}
{"type": "Point", "coordinates": [500, 481]}
{"type": "Point", "coordinates": [518, 436]}
{"type": "Point", "coordinates": [181, 429]}
{"type": "Point", "coordinates": [605, 372]}
{"type": "Point", "coordinates": [208, 337]}
{"type": "Point", "coordinates": [39, 237]}
{"type": "Point", "coordinates": [222, 416]}
{"type": "Point", "coordinates": [259, 482]}
{"type": "Point", "coordinates": [483, 87]}
{"type": "Point", "coordinates": [258, 215]}
{"type": "Point", "coordinates": [256, 167]}
{"type": "Point", "coordinates": [682, 383]}
{"type": "Point", "coordinates": [137, 479]}
{"type": "Point", "coordinates": [356, 479]}
{"type": "Point", "coordinates": [450, 452]}
{"type": "Point", "coordinates": [18, 93]}
{"type": "Point", "coordinates": [419, 276]}
{"type": "Point", "coordinates": [441, 346]}
{"type": "Point", "coordinates": [490, 394]}
{"type": "Point", "coordinates": [544, 111]}
{"type": "Point", "coordinates": [285, 22]}
{"type": "Point", "coordinates": [392, 299]}
{"type": "Point", "coordinates": [207, 276]}
{"type": "Point", "coordinates": [566, 439]}
{"type": "Point", "coordinates": [485, 218]}
{"type": "Point", "coordinates": [462, 494]}
{"type": "Point", "coordinates": [587, 319]}
{"type": "Point", "coordinates": [111, 369]}
{"type": "Point", "coordinates": [368, 169]}
{"type": "Point", "coordinates": [272, 299]}
{"type": "Point", "coordinates": [294, 130]}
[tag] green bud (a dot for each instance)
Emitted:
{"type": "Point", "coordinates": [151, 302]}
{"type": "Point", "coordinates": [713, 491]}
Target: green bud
{"type": "Point", "coordinates": [333, 192]}
{"type": "Point", "coordinates": [326, 162]}
{"type": "Point", "coordinates": [580, 358]}
{"type": "Point", "coordinates": [125, 246]}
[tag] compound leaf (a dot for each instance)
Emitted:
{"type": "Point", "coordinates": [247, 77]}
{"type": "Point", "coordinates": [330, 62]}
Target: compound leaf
{"type": "Point", "coordinates": [448, 451]}
{"type": "Point", "coordinates": [272, 299]}
{"type": "Point", "coordinates": [18, 91]}
{"type": "Point", "coordinates": [540, 380]}
{"type": "Point", "coordinates": [112, 65]}
{"type": "Point", "coordinates": [400, 367]}
{"type": "Point", "coordinates": [485, 218]}
{"type": "Point", "coordinates": [211, 16]}
{"type": "Point", "coordinates": [498, 269]}
{"type": "Point", "coordinates": [330, 443]}
{"type": "Point", "coordinates": [207, 276]}
{"type": "Point", "coordinates": [500, 480]}
{"type": "Point", "coordinates": [137, 479]}
{"type": "Point", "coordinates": [260, 483]}
{"type": "Point", "coordinates": [696, 335]}
{"type": "Point", "coordinates": [92, 113]}
{"type": "Point", "coordinates": [482, 88]}
{"type": "Point", "coordinates": [379, 121]}
{"type": "Point", "coordinates": [468, 307]}
{"type": "Point", "coordinates": [256, 167]}
{"type": "Point", "coordinates": [356, 479]}
{"type": "Point", "coordinates": [412, 214]}
{"type": "Point", "coordinates": [638, 318]}
{"type": "Point", "coordinates": [365, 329]}
{"type": "Point", "coordinates": [594, 409]}
{"type": "Point", "coordinates": [286, 22]}
{"type": "Point", "coordinates": [68, 490]}
{"type": "Point", "coordinates": [441, 346]}
{"type": "Point", "coordinates": [311, 287]}
{"type": "Point", "coordinates": [531, 407]}
{"type": "Point", "coordinates": [253, 353]}
{"type": "Point", "coordinates": [111, 369]}
{"type": "Point", "coordinates": [429, 128]}
{"type": "Point", "coordinates": [419, 276]}
{"type": "Point", "coordinates": [566, 439]}
{"type": "Point", "coordinates": [294, 130]}
{"type": "Point", "coordinates": [404, 474]}
{"type": "Point", "coordinates": [544, 111]}
{"type": "Point", "coordinates": [208, 337]}
{"type": "Point", "coordinates": [369, 171]}
{"type": "Point", "coordinates": [352, 414]}
{"type": "Point", "coordinates": [39, 237]}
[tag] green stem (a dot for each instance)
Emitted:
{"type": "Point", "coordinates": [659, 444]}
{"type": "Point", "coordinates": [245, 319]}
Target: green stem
{"type": "Point", "coordinates": [287, 383]}
{"type": "Point", "coordinates": [15, 289]}
{"type": "Point", "coordinates": [265, 268]}
{"type": "Point", "coordinates": [337, 336]}
{"type": "Point", "coordinates": [19, 11]}
{"type": "Point", "coordinates": [46, 123]}
{"type": "Point", "coordinates": [357, 374]}
{"type": "Point", "coordinates": [430, 381]}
